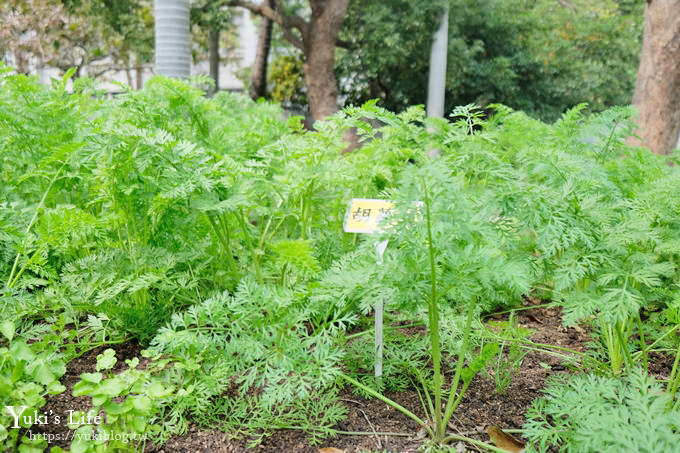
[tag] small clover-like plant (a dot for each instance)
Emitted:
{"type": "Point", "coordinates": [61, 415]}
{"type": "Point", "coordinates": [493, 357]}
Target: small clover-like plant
{"type": "Point", "coordinates": [28, 372]}
{"type": "Point", "coordinates": [107, 360]}
{"type": "Point", "coordinates": [123, 406]}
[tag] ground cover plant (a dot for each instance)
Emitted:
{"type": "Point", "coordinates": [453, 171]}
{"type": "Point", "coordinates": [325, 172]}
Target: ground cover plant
{"type": "Point", "coordinates": [210, 231]}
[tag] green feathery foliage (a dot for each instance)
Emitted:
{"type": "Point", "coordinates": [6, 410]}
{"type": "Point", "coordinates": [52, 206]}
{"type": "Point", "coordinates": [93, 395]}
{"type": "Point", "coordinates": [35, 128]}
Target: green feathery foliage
{"type": "Point", "coordinates": [631, 414]}
{"type": "Point", "coordinates": [211, 230]}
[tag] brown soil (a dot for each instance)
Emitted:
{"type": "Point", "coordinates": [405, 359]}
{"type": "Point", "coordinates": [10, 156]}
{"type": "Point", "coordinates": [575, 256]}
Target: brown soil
{"type": "Point", "coordinates": [481, 406]}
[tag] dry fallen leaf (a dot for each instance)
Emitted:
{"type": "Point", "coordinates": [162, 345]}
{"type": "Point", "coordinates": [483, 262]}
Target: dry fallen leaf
{"type": "Point", "coordinates": [504, 440]}
{"type": "Point", "coordinates": [330, 450]}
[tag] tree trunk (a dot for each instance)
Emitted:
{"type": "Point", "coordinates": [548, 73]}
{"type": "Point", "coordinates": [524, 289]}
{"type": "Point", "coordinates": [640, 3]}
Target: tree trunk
{"type": "Point", "coordinates": [214, 57]}
{"type": "Point", "coordinates": [258, 78]}
{"type": "Point", "coordinates": [657, 89]}
{"type": "Point", "coordinates": [139, 73]}
{"type": "Point", "coordinates": [319, 66]}
{"type": "Point", "coordinates": [319, 36]}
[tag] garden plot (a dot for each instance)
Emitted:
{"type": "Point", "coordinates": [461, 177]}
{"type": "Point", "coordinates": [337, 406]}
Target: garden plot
{"type": "Point", "coordinates": [179, 264]}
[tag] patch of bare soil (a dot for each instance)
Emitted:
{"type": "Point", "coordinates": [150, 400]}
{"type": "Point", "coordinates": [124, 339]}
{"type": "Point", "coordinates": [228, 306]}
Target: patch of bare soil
{"type": "Point", "coordinates": [481, 406]}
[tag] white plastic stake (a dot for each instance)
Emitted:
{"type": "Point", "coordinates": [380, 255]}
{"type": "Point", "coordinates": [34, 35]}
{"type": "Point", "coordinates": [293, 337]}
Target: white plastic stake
{"type": "Point", "coordinates": [363, 215]}
{"type": "Point", "coordinates": [380, 248]}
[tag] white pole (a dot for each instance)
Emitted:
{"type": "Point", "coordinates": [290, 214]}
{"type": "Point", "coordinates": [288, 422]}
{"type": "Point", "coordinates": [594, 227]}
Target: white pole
{"type": "Point", "coordinates": [380, 248]}
{"type": "Point", "coordinates": [173, 56]}
{"type": "Point", "coordinates": [437, 80]}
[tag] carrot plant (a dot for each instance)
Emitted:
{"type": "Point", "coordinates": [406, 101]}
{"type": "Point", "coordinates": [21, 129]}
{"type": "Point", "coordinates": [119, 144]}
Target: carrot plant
{"type": "Point", "coordinates": [452, 250]}
{"type": "Point", "coordinates": [631, 414]}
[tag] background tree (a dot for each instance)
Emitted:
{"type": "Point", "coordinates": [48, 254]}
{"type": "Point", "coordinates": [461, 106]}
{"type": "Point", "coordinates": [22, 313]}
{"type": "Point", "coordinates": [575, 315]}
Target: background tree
{"type": "Point", "coordinates": [213, 30]}
{"type": "Point", "coordinates": [129, 26]}
{"type": "Point", "coordinates": [40, 33]}
{"type": "Point", "coordinates": [657, 90]}
{"type": "Point", "coordinates": [388, 58]}
{"type": "Point", "coordinates": [288, 82]}
{"type": "Point", "coordinates": [28, 31]}
{"type": "Point", "coordinates": [258, 77]}
{"type": "Point", "coordinates": [540, 56]}
{"type": "Point", "coordinates": [95, 36]}
{"type": "Point", "coordinates": [587, 51]}
{"type": "Point", "coordinates": [316, 37]}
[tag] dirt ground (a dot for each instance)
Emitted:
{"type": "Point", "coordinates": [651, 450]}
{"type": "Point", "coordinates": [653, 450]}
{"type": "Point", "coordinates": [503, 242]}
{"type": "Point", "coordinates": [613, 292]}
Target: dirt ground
{"type": "Point", "coordinates": [481, 406]}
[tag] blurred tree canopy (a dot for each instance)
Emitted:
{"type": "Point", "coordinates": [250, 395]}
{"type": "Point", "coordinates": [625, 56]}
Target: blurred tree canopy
{"type": "Point", "coordinates": [287, 81]}
{"type": "Point", "coordinates": [127, 26]}
{"type": "Point", "coordinates": [540, 56]}
{"type": "Point", "coordinates": [389, 55]}
{"type": "Point", "coordinates": [100, 35]}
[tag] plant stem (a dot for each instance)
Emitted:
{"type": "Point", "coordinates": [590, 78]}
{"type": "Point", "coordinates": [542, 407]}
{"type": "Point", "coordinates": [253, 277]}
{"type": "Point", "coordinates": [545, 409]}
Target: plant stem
{"type": "Point", "coordinates": [628, 360]}
{"type": "Point", "coordinates": [674, 380]}
{"type": "Point", "coordinates": [537, 346]}
{"type": "Point", "coordinates": [544, 351]}
{"type": "Point", "coordinates": [386, 328]}
{"type": "Point", "coordinates": [227, 248]}
{"type": "Point", "coordinates": [477, 443]}
{"type": "Point", "coordinates": [451, 403]}
{"type": "Point", "coordinates": [246, 235]}
{"type": "Point", "coordinates": [658, 340]}
{"type": "Point", "coordinates": [31, 223]}
{"type": "Point", "coordinates": [365, 433]}
{"type": "Point", "coordinates": [390, 402]}
{"type": "Point", "coordinates": [613, 351]}
{"type": "Point", "coordinates": [426, 407]}
{"type": "Point", "coordinates": [305, 208]}
{"type": "Point", "coordinates": [13, 282]}
{"type": "Point", "coordinates": [284, 269]}
{"type": "Point", "coordinates": [643, 345]}
{"type": "Point", "coordinates": [433, 314]}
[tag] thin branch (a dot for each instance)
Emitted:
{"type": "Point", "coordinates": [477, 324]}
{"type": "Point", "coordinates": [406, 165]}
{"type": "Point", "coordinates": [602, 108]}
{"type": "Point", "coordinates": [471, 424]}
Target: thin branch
{"type": "Point", "coordinates": [566, 4]}
{"type": "Point", "coordinates": [291, 20]}
{"type": "Point", "coordinates": [372, 429]}
{"type": "Point", "coordinates": [294, 40]}
{"type": "Point", "coordinates": [286, 21]}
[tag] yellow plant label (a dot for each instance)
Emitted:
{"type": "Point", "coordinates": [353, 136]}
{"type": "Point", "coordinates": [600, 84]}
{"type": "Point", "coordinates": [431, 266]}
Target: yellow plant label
{"type": "Point", "coordinates": [364, 214]}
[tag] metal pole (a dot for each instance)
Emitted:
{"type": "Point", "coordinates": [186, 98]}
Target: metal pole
{"type": "Point", "coordinates": [437, 80]}
{"type": "Point", "coordinates": [173, 56]}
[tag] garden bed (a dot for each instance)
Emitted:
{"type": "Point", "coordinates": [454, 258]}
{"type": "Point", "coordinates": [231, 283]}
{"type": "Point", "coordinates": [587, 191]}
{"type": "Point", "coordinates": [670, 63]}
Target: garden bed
{"type": "Point", "coordinates": [481, 406]}
{"type": "Point", "coordinates": [218, 237]}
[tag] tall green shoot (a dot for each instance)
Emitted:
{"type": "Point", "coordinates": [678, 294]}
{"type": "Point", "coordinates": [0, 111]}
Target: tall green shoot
{"type": "Point", "coordinates": [461, 257]}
